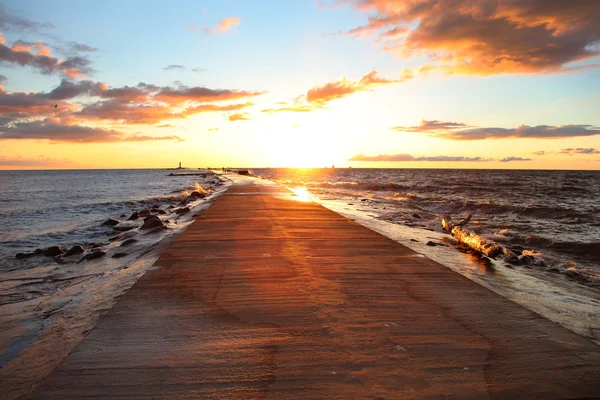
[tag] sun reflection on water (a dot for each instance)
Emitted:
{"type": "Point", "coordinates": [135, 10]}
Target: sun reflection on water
{"type": "Point", "coordinates": [301, 194]}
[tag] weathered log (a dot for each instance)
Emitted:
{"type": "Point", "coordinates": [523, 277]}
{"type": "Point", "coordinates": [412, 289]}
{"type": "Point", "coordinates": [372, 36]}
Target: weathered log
{"type": "Point", "coordinates": [474, 241]}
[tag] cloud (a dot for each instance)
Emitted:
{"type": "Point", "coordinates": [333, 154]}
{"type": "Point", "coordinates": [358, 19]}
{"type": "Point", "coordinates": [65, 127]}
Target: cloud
{"type": "Point", "coordinates": [540, 153]}
{"type": "Point", "coordinates": [426, 126]}
{"type": "Point", "coordinates": [408, 157]}
{"type": "Point", "coordinates": [178, 96]}
{"type": "Point", "coordinates": [165, 126]}
{"type": "Point", "coordinates": [15, 23]}
{"type": "Point", "coordinates": [198, 70]}
{"type": "Point", "coordinates": [344, 87]}
{"type": "Point", "coordinates": [579, 150]}
{"type": "Point", "coordinates": [224, 25]}
{"type": "Point", "coordinates": [486, 37]}
{"type": "Point", "coordinates": [509, 159]}
{"type": "Point", "coordinates": [454, 131]}
{"type": "Point", "coordinates": [73, 67]}
{"type": "Point", "coordinates": [173, 67]}
{"type": "Point", "coordinates": [239, 117]}
{"type": "Point", "coordinates": [56, 132]}
{"type": "Point", "coordinates": [301, 108]}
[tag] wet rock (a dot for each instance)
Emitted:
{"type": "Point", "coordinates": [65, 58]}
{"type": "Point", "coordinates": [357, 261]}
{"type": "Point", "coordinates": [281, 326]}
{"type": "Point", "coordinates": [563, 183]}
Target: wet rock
{"type": "Point", "coordinates": [94, 255]}
{"type": "Point", "coordinates": [119, 255]}
{"type": "Point", "coordinates": [513, 260]}
{"type": "Point", "coordinates": [53, 251]}
{"type": "Point", "coordinates": [128, 242]}
{"type": "Point", "coordinates": [526, 260]}
{"type": "Point", "coordinates": [576, 276]}
{"type": "Point", "coordinates": [123, 228]}
{"type": "Point", "coordinates": [196, 215]}
{"type": "Point", "coordinates": [74, 250]}
{"type": "Point", "coordinates": [414, 240]}
{"type": "Point", "coordinates": [416, 216]}
{"type": "Point", "coordinates": [152, 222]}
{"type": "Point", "coordinates": [110, 222]}
{"type": "Point", "coordinates": [123, 216]}
{"type": "Point", "coordinates": [20, 256]}
{"type": "Point", "coordinates": [38, 251]}
{"type": "Point", "coordinates": [182, 203]}
{"type": "Point", "coordinates": [182, 210]}
{"type": "Point", "coordinates": [430, 243]}
{"type": "Point", "coordinates": [144, 213]}
{"type": "Point", "coordinates": [198, 194]}
{"type": "Point", "coordinates": [133, 216]}
{"type": "Point", "coordinates": [161, 212]}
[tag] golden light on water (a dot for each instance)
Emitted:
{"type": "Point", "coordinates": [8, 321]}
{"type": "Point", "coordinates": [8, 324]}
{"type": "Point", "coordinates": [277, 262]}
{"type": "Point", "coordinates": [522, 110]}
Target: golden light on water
{"type": "Point", "coordinates": [301, 194]}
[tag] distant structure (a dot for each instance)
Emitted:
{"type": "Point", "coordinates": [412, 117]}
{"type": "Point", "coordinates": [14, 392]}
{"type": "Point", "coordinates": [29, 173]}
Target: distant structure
{"type": "Point", "coordinates": [179, 165]}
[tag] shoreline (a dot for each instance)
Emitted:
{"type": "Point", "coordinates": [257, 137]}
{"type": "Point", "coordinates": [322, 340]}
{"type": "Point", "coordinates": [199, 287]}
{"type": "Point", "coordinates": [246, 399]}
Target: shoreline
{"type": "Point", "coordinates": [53, 326]}
{"type": "Point", "coordinates": [263, 295]}
{"type": "Point", "coordinates": [572, 305]}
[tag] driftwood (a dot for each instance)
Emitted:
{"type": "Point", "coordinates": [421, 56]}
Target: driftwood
{"type": "Point", "coordinates": [474, 241]}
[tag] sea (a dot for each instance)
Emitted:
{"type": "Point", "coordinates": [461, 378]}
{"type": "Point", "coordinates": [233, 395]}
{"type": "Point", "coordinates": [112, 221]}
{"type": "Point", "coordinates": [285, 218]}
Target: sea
{"type": "Point", "coordinates": [551, 219]}
{"type": "Point", "coordinates": [49, 301]}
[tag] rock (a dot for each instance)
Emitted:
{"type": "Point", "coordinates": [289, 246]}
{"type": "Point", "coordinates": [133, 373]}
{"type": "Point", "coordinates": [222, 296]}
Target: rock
{"type": "Point", "coordinates": [38, 251]}
{"type": "Point", "coordinates": [526, 260]}
{"type": "Point", "coordinates": [416, 216]}
{"type": "Point", "coordinates": [123, 216]}
{"type": "Point", "coordinates": [53, 251]}
{"type": "Point", "coordinates": [364, 199]}
{"type": "Point", "coordinates": [198, 194]}
{"type": "Point", "coordinates": [133, 216]}
{"type": "Point", "coordinates": [414, 240]}
{"type": "Point", "coordinates": [430, 243]}
{"type": "Point", "coordinates": [182, 210]}
{"type": "Point", "coordinates": [161, 212]}
{"type": "Point", "coordinates": [74, 250]}
{"type": "Point", "coordinates": [119, 255]}
{"type": "Point", "coordinates": [152, 222]}
{"type": "Point", "coordinates": [93, 255]}
{"type": "Point", "coordinates": [182, 203]}
{"type": "Point", "coordinates": [20, 256]}
{"type": "Point", "coordinates": [144, 213]}
{"type": "Point", "coordinates": [110, 222]}
{"type": "Point", "coordinates": [123, 228]}
{"type": "Point", "coordinates": [128, 242]}
{"type": "Point", "coordinates": [514, 260]}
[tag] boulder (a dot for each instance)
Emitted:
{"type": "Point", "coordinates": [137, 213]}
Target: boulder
{"type": "Point", "coordinates": [152, 222]}
{"type": "Point", "coordinates": [144, 213]}
{"type": "Point", "coordinates": [53, 251]}
{"type": "Point", "coordinates": [119, 255]}
{"type": "Point", "coordinates": [198, 194]}
{"type": "Point", "coordinates": [161, 212]}
{"type": "Point", "coordinates": [74, 250]}
{"type": "Point", "coordinates": [182, 210]}
{"type": "Point", "coordinates": [110, 222]}
{"type": "Point", "coordinates": [20, 256]}
{"type": "Point", "coordinates": [133, 216]}
{"type": "Point", "coordinates": [430, 243]}
{"type": "Point", "coordinates": [122, 228]}
{"type": "Point", "coordinates": [94, 254]}
{"type": "Point", "coordinates": [128, 242]}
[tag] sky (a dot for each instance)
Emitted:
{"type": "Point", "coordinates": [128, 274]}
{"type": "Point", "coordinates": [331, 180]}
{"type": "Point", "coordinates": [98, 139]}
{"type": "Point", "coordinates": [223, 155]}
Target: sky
{"type": "Point", "coordinates": [300, 83]}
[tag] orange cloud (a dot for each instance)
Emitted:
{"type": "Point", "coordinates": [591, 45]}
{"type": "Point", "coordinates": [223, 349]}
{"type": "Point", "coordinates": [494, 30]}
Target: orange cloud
{"type": "Point", "coordinates": [239, 117]}
{"type": "Point", "coordinates": [344, 87]}
{"type": "Point", "coordinates": [225, 25]}
{"type": "Point", "coordinates": [486, 37]}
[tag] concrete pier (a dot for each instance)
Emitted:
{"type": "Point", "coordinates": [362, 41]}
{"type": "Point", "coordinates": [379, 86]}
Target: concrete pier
{"type": "Point", "coordinates": [266, 297]}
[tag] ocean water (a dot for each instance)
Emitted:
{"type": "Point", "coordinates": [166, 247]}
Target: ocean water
{"type": "Point", "coordinates": [552, 216]}
{"type": "Point", "coordinates": [54, 301]}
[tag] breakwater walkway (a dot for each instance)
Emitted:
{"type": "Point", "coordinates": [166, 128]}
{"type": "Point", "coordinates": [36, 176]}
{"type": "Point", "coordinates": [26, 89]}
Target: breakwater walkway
{"type": "Point", "coordinates": [266, 297]}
